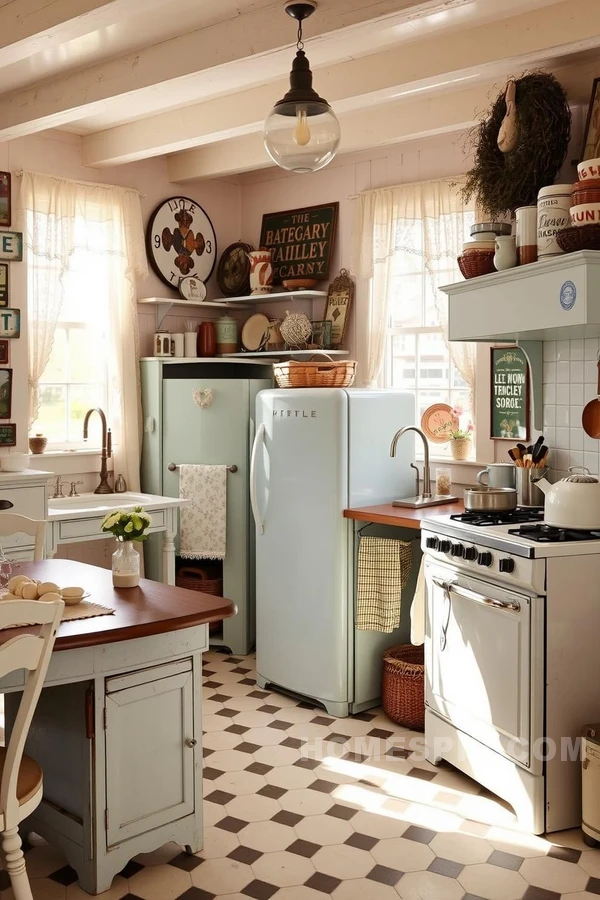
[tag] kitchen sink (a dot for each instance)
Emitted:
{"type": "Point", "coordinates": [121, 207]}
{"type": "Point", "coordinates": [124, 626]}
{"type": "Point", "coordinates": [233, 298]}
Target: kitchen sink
{"type": "Point", "coordinates": [99, 502]}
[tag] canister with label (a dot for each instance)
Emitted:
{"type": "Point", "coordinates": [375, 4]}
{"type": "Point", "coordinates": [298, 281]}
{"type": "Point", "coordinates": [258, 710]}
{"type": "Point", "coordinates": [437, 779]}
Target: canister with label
{"type": "Point", "coordinates": [162, 343]}
{"type": "Point", "coordinates": [553, 207]}
{"type": "Point", "coordinates": [227, 341]}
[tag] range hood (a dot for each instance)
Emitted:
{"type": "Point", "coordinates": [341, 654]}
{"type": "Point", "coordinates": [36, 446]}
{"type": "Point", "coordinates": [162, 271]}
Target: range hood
{"type": "Point", "coordinates": [550, 300]}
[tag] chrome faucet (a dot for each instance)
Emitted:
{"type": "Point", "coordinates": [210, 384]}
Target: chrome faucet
{"type": "Point", "coordinates": [104, 487]}
{"type": "Point", "coordinates": [426, 494]}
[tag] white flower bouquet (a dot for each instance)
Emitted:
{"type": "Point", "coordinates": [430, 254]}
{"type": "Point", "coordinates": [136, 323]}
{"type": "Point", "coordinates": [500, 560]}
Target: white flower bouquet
{"type": "Point", "coordinates": [126, 525]}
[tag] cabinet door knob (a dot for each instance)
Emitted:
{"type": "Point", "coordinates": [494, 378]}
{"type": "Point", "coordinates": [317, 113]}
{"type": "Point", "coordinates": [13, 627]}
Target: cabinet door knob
{"type": "Point", "coordinates": [191, 742]}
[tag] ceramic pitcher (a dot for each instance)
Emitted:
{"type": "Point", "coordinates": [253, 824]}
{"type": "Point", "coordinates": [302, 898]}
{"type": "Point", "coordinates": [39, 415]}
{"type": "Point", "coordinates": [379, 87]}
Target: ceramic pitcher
{"type": "Point", "coordinates": [261, 271]}
{"type": "Point", "coordinates": [505, 256]}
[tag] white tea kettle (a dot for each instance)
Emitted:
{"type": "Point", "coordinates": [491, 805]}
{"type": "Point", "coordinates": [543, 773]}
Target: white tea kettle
{"type": "Point", "coordinates": [573, 502]}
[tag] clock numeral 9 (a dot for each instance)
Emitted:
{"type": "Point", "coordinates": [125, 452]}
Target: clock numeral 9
{"type": "Point", "coordinates": [157, 241]}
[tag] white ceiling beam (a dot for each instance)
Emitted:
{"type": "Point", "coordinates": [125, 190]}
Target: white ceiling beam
{"type": "Point", "coordinates": [395, 122]}
{"type": "Point", "coordinates": [34, 26]}
{"type": "Point", "coordinates": [522, 40]}
{"type": "Point", "coordinates": [249, 35]}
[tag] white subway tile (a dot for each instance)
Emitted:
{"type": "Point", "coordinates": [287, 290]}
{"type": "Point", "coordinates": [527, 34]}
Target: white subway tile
{"type": "Point", "coordinates": [590, 444]}
{"type": "Point", "coordinates": [561, 419]}
{"type": "Point", "coordinates": [576, 457]}
{"type": "Point", "coordinates": [563, 393]}
{"type": "Point", "coordinates": [576, 349]}
{"type": "Point", "coordinates": [590, 348]}
{"type": "Point", "coordinates": [561, 438]}
{"type": "Point", "coordinates": [589, 392]}
{"type": "Point", "coordinates": [562, 351]}
{"type": "Point", "coordinates": [549, 372]}
{"type": "Point", "coordinates": [575, 416]}
{"type": "Point", "coordinates": [576, 373]}
{"type": "Point", "coordinates": [590, 461]}
{"type": "Point", "coordinates": [576, 394]}
{"type": "Point", "coordinates": [576, 438]}
{"type": "Point", "coordinates": [561, 461]}
{"type": "Point", "coordinates": [550, 351]}
{"type": "Point", "coordinates": [590, 372]}
{"type": "Point", "coordinates": [563, 372]}
{"type": "Point", "coordinates": [549, 415]}
{"type": "Point", "coordinates": [550, 436]}
{"type": "Point", "coordinates": [549, 393]}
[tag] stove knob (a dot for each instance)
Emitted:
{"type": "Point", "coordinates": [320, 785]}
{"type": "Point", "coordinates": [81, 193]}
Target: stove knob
{"type": "Point", "coordinates": [432, 543]}
{"type": "Point", "coordinates": [457, 550]}
{"type": "Point", "coordinates": [444, 546]}
{"type": "Point", "coordinates": [471, 553]}
{"type": "Point", "coordinates": [507, 565]}
{"type": "Point", "coordinates": [485, 558]}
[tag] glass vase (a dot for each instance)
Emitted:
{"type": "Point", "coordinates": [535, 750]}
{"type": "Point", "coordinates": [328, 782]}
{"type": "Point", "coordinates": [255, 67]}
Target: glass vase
{"type": "Point", "coordinates": [125, 565]}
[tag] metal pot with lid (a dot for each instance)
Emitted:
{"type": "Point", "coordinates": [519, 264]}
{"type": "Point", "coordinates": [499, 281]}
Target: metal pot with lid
{"type": "Point", "coordinates": [573, 502]}
{"type": "Point", "coordinates": [487, 499]}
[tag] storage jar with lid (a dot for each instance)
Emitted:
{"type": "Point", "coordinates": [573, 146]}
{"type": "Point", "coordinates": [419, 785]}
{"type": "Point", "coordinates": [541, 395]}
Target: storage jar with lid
{"type": "Point", "coordinates": [553, 207]}
{"type": "Point", "coordinates": [227, 341]}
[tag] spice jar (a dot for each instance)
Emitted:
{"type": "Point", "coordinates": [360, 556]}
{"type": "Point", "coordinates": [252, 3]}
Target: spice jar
{"type": "Point", "coordinates": [207, 339]}
{"type": "Point", "coordinates": [443, 482]}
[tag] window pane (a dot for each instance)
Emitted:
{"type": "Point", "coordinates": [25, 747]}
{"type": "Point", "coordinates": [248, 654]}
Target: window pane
{"type": "Point", "coordinates": [51, 420]}
{"type": "Point", "coordinates": [81, 398]}
{"type": "Point", "coordinates": [56, 370]}
{"type": "Point", "coordinates": [408, 301]}
{"type": "Point", "coordinates": [86, 356]}
{"type": "Point", "coordinates": [404, 362]}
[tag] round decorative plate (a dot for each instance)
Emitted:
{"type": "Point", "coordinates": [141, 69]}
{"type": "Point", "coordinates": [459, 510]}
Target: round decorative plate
{"type": "Point", "coordinates": [233, 271]}
{"type": "Point", "coordinates": [191, 288]}
{"type": "Point", "coordinates": [438, 421]}
{"type": "Point", "coordinates": [181, 241]}
{"type": "Point", "coordinates": [255, 332]}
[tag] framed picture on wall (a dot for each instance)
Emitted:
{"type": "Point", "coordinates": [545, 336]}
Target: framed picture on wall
{"type": "Point", "coordinates": [5, 393]}
{"type": "Point", "coordinates": [5, 215]}
{"type": "Point", "coordinates": [8, 435]}
{"type": "Point", "coordinates": [4, 345]}
{"type": "Point", "coordinates": [591, 137]}
{"type": "Point", "coordinates": [10, 323]}
{"type": "Point", "coordinates": [509, 394]}
{"type": "Point", "coordinates": [4, 284]}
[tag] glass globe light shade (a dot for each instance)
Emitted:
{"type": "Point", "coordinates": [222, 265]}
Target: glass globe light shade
{"type": "Point", "coordinates": [301, 137]}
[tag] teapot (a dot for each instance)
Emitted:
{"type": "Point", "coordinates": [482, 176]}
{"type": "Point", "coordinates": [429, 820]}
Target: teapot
{"type": "Point", "coordinates": [573, 502]}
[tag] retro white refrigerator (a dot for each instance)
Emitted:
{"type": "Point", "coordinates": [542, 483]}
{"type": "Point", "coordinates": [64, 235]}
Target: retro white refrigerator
{"type": "Point", "coordinates": [315, 453]}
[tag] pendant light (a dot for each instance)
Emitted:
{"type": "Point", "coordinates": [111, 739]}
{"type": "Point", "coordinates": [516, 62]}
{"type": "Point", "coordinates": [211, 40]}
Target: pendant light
{"type": "Point", "coordinates": [301, 133]}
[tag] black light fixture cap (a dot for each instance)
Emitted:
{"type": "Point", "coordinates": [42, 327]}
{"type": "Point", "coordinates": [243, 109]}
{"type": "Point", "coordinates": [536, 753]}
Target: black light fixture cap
{"type": "Point", "coordinates": [301, 90]}
{"type": "Point", "coordinates": [300, 10]}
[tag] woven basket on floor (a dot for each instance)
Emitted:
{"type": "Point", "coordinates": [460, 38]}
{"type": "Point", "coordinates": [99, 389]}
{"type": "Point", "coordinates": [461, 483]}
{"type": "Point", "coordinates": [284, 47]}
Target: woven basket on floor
{"type": "Point", "coordinates": [293, 374]}
{"type": "Point", "coordinates": [196, 579]}
{"type": "Point", "coordinates": [403, 689]}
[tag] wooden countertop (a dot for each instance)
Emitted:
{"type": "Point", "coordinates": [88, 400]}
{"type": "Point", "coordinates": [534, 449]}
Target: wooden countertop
{"type": "Point", "coordinates": [151, 608]}
{"type": "Point", "coordinates": [403, 517]}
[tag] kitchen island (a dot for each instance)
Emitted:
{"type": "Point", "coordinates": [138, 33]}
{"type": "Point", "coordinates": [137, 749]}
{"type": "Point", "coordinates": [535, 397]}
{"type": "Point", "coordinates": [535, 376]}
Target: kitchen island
{"type": "Point", "coordinates": [118, 727]}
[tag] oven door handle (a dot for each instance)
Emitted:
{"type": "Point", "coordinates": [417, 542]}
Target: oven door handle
{"type": "Point", "coordinates": [452, 587]}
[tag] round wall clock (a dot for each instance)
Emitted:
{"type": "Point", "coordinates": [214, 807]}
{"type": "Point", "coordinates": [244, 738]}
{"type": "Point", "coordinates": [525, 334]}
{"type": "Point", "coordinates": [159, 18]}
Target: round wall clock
{"type": "Point", "coordinates": [181, 241]}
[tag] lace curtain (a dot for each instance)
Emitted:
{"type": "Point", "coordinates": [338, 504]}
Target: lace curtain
{"type": "Point", "coordinates": [53, 210]}
{"type": "Point", "coordinates": [386, 230]}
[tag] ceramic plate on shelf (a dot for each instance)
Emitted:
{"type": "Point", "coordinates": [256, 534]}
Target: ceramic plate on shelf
{"type": "Point", "coordinates": [255, 332]}
{"type": "Point", "coordinates": [437, 422]}
{"type": "Point", "coordinates": [233, 271]}
{"type": "Point", "coordinates": [191, 288]}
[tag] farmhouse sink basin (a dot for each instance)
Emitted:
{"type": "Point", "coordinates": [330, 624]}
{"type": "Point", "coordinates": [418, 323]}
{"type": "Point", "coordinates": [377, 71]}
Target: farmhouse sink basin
{"type": "Point", "coordinates": [100, 504]}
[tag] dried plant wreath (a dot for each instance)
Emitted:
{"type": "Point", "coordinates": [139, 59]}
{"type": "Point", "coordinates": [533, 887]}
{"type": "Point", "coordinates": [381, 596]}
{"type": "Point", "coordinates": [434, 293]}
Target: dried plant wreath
{"type": "Point", "coordinates": [501, 182]}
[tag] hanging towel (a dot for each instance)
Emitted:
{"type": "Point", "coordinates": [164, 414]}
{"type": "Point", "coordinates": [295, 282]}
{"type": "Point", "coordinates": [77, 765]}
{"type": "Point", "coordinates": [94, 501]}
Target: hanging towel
{"type": "Point", "coordinates": [384, 565]}
{"type": "Point", "coordinates": [417, 609]}
{"type": "Point", "coordinates": [203, 520]}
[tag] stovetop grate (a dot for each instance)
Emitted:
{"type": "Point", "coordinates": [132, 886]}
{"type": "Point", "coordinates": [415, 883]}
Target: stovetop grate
{"type": "Point", "coordinates": [548, 534]}
{"type": "Point", "coordinates": [488, 519]}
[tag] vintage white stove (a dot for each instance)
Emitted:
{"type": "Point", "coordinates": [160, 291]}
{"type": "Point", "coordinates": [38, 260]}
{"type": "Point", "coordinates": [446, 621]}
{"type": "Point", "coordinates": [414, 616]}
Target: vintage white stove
{"type": "Point", "coordinates": [511, 656]}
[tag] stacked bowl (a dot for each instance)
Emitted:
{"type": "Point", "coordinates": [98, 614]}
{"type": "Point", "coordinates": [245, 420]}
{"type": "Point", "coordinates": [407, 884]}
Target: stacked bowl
{"type": "Point", "coordinates": [477, 256]}
{"type": "Point", "coordinates": [584, 233]}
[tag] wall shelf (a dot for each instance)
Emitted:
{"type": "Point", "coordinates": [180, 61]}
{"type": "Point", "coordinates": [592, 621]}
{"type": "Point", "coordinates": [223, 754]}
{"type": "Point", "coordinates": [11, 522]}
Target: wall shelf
{"type": "Point", "coordinates": [285, 354]}
{"type": "Point", "coordinates": [163, 304]}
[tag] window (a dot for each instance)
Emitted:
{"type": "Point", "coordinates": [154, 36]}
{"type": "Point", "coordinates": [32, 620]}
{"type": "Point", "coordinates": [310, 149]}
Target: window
{"type": "Point", "coordinates": [416, 356]}
{"type": "Point", "coordinates": [75, 378]}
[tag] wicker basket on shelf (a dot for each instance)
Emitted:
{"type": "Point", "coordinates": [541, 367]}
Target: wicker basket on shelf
{"type": "Point", "coordinates": [196, 579]}
{"type": "Point", "coordinates": [403, 688]}
{"type": "Point", "coordinates": [472, 265]}
{"type": "Point", "coordinates": [325, 373]}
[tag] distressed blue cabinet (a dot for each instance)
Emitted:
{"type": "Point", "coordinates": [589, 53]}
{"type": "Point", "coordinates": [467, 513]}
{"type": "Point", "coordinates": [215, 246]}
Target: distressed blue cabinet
{"type": "Point", "coordinates": [177, 429]}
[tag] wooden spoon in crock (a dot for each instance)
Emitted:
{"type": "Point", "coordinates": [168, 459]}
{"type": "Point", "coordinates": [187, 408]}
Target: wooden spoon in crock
{"type": "Point", "coordinates": [590, 418]}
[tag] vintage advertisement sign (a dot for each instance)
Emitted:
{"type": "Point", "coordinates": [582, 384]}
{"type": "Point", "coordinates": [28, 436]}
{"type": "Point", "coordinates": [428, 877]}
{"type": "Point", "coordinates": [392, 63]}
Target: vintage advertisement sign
{"type": "Point", "coordinates": [510, 394]}
{"type": "Point", "coordinates": [3, 284]}
{"type": "Point", "coordinates": [301, 241]}
{"type": "Point", "coordinates": [10, 323]}
{"type": "Point", "coordinates": [11, 245]}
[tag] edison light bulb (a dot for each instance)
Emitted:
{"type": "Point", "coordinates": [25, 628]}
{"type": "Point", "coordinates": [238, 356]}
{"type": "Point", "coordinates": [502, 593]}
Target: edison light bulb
{"type": "Point", "coordinates": [301, 131]}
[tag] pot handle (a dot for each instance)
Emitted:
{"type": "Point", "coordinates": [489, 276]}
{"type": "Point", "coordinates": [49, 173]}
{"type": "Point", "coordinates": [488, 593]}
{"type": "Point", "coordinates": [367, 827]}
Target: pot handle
{"type": "Point", "coordinates": [480, 477]}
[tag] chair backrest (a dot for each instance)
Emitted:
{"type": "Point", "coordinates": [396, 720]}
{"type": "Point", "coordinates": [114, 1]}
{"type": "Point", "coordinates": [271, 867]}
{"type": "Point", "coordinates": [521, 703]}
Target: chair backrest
{"type": "Point", "coordinates": [11, 523]}
{"type": "Point", "coordinates": [30, 651]}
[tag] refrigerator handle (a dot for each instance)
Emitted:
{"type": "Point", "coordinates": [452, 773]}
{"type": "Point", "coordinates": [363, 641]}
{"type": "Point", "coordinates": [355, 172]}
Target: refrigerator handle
{"type": "Point", "coordinates": [259, 439]}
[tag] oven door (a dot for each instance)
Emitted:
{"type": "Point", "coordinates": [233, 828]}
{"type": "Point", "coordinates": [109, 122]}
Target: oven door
{"type": "Point", "coordinates": [478, 660]}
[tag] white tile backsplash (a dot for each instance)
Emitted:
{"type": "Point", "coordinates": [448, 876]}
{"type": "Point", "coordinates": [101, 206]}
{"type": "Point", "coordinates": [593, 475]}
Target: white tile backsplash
{"type": "Point", "coordinates": [570, 377]}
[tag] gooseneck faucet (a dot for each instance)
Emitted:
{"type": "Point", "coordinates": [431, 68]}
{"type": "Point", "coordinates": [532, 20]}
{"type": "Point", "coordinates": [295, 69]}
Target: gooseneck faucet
{"type": "Point", "coordinates": [104, 487]}
{"type": "Point", "coordinates": [426, 495]}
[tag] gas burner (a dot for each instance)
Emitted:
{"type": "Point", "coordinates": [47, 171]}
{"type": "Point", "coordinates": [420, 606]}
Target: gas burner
{"type": "Point", "coordinates": [548, 534]}
{"type": "Point", "coordinates": [487, 519]}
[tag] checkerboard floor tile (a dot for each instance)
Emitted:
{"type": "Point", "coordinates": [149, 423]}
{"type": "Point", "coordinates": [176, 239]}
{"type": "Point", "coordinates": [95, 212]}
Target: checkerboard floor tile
{"type": "Point", "coordinates": [301, 806]}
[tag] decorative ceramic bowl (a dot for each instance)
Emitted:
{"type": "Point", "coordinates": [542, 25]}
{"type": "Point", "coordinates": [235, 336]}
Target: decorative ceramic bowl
{"type": "Point", "coordinates": [37, 443]}
{"type": "Point", "coordinates": [586, 237]}
{"type": "Point", "coordinates": [589, 168]}
{"type": "Point", "coordinates": [299, 284]}
{"type": "Point", "coordinates": [585, 214]}
{"type": "Point", "coordinates": [474, 264]}
{"type": "Point", "coordinates": [586, 192]}
{"type": "Point", "coordinates": [15, 462]}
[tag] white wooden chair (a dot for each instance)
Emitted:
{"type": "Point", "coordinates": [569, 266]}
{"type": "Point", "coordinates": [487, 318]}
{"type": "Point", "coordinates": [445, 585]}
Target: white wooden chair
{"type": "Point", "coordinates": [11, 523]}
{"type": "Point", "coordinates": [20, 776]}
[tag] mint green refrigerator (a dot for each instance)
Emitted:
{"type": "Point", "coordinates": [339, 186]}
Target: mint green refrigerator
{"type": "Point", "coordinates": [181, 427]}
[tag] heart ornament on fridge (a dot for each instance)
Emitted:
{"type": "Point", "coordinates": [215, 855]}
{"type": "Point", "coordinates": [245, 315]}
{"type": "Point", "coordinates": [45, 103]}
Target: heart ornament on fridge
{"type": "Point", "coordinates": [203, 398]}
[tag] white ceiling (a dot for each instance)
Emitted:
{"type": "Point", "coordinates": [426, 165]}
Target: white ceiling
{"type": "Point", "coordinates": [195, 79]}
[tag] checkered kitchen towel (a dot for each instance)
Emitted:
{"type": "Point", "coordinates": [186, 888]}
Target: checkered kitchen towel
{"type": "Point", "coordinates": [384, 565]}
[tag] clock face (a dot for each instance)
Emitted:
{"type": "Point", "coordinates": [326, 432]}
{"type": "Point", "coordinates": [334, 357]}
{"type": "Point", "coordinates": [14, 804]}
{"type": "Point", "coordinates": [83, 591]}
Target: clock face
{"type": "Point", "coordinates": [181, 241]}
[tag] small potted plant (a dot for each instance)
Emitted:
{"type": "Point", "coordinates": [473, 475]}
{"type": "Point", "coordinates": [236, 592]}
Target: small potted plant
{"type": "Point", "coordinates": [460, 438]}
{"type": "Point", "coordinates": [127, 527]}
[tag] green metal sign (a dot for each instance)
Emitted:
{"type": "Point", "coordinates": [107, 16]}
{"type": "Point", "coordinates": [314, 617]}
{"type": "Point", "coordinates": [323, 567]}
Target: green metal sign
{"type": "Point", "coordinates": [301, 240]}
{"type": "Point", "coordinates": [510, 394]}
